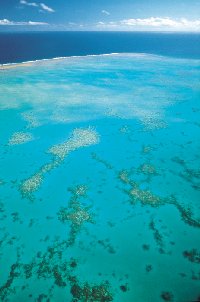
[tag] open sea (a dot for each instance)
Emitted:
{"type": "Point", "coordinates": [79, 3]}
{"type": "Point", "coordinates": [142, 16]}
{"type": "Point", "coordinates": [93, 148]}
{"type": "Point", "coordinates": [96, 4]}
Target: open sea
{"type": "Point", "coordinates": [99, 167]}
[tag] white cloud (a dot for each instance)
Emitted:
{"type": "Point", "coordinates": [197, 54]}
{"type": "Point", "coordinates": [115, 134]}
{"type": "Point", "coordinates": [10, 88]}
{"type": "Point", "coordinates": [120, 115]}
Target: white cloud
{"type": "Point", "coordinates": [105, 12]}
{"type": "Point", "coordinates": [36, 23]}
{"type": "Point", "coordinates": [43, 7]}
{"type": "Point", "coordinates": [8, 22]}
{"type": "Point", "coordinates": [160, 22]}
{"type": "Point", "coordinates": [47, 8]}
{"type": "Point", "coordinates": [28, 3]}
{"type": "Point", "coordinates": [153, 23]}
{"type": "Point", "coordinates": [4, 22]}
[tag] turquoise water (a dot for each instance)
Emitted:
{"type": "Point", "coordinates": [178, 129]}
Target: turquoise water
{"type": "Point", "coordinates": [100, 179]}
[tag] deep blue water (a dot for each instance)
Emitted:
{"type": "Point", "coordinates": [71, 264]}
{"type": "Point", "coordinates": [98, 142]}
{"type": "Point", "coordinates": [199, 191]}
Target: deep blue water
{"type": "Point", "coordinates": [19, 47]}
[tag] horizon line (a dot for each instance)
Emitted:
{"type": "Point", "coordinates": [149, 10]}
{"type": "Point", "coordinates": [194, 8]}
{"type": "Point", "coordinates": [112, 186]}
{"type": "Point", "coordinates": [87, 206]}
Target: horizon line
{"type": "Point", "coordinates": [102, 31]}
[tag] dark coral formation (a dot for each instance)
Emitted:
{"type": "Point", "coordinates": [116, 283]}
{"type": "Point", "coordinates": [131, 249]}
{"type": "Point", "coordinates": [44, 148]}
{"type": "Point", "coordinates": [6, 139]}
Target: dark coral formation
{"type": "Point", "coordinates": [91, 293]}
{"type": "Point", "coordinates": [124, 288]}
{"type": "Point", "coordinates": [167, 296]}
{"type": "Point", "coordinates": [157, 236]}
{"type": "Point", "coordinates": [146, 247]}
{"type": "Point", "coordinates": [148, 268]}
{"type": "Point", "coordinates": [196, 276]}
{"type": "Point", "coordinates": [107, 246]}
{"type": "Point", "coordinates": [146, 197]}
{"type": "Point", "coordinates": [185, 212]}
{"type": "Point", "coordinates": [102, 161]}
{"type": "Point", "coordinates": [147, 169]}
{"type": "Point", "coordinates": [190, 175]}
{"type": "Point", "coordinates": [137, 194]}
{"type": "Point", "coordinates": [75, 212]}
{"type": "Point", "coordinates": [7, 288]}
{"type": "Point", "coordinates": [147, 149]}
{"type": "Point", "coordinates": [52, 265]}
{"type": "Point", "coordinates": [193, 255]}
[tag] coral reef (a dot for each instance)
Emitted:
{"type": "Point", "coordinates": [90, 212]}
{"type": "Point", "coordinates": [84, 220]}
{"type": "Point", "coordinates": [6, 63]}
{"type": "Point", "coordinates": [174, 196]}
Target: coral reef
{"type": "Point", "coordinates": [147, 149]}
{"type": "Point", "coordinates": [151, 123]}
{"type": "Point", "coordinates": [148, 268]}
{"type": "Point", "coordinates": [124, 129]}
{"type": "Point", "coordinates": [75, 212]}
{"type": "Point", "coordinates": [167, 296]}
{"type": "Point", "coordinates": [192, 256]}
{"type": "Point", "coordinates": [107, 246]}
{"type": "Point", "coordinates": [190, 175]}
{"type": "Point", "coordinates": [145, 247]}
{"type": "Point", "coordinates": [157, 236]}
{"type": "Point", "coordinates": [146, 197]}
{"type": "Point", "coordinates": [79, 190]}
{"type": "Point", "coordinates": [102, 161]}
{"type": "Point", "coordinates": [124, 288]}
{"type": "Point", "coordinates": [31, 119]}
{"type": "Point", "coordinates": [139, 195]}
{"type": "Point", "coordinates": [147, 169]}
{"type": "Point", "coordinates": [19, 138]}
{"type": "Point", "coordinates": [31, 184]}
{"type": "Point", "coordinates": [79, 138]}
{"type": "Point", "coordinates": [53, 265]}
{"type": "Point", "coordinates": [185, 212]}
{"type": "Point", "coordinates": [91, 293]}
{"type": "Point", "coordinates": [77, 216]}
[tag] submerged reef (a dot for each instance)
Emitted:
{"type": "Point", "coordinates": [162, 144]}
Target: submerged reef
{"type": "Point", "coordinates": [79, 138]}
{"type": "Point", "coordinates": [77, 216]}
{"type": "Point", "coordinates": [146, 149]}
{"type": "Point", "coordinates": [75, 212]}
{"type": "Point", "coordinates": [31, 119]}
{"type": "Point", "coordinates": [190, 175]}
{"type": "Point", "coordinates": [152, 123]}
{"type": "Point", "coordinates": [91, 293]}
{"type": "Point", "coordinates": [54, 266]}
{"type": "Point", "coordinates": [102, 161]}
{"type": "Point", "coordinates": [124, 129]}
{"type": "Point", "coordinates": [147, 169]}
{"type": "Point", "coordinates": [148, 268]}
{"type": "Point", "coordinates": [146, 197]}
{"type": "Point", "coordinates": [19, 138]}
{"type": "Point", "coordinates": [192, 256]}
{"type": "Point", "coordinates": [32, 184]}
{"type": "Point", "coordinates": [78, 191]}
{"type": "Point", "coordinates": [185, 211]}
{"type": "Point", "coordinates": [136, 194]}
{"type": "Point", "coordinates": [107, 246]}
{"type": "Point", "coordinates": [157, 236]}
{"type": "Point", "coordinates": [167, 296]}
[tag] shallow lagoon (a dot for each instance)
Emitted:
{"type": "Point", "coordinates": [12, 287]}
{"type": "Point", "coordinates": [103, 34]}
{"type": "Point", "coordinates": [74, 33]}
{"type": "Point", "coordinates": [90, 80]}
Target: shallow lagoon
{"type": "Point", "coordinates": [100, 179]}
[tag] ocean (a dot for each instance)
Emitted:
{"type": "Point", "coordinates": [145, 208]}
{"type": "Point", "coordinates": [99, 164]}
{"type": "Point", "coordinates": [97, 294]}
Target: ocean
{"type": "Point", "coordinates": [99, 167]}
{"type": "Point", "coordinates": [27, 46]}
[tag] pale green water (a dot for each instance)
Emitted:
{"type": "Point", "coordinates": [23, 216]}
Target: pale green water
{"type": "Point", "coordinates": [100, 180]}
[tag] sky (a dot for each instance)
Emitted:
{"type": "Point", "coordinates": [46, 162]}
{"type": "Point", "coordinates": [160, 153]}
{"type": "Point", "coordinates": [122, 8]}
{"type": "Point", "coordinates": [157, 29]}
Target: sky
{"type": "Point", "coordinates": [100, 15]}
